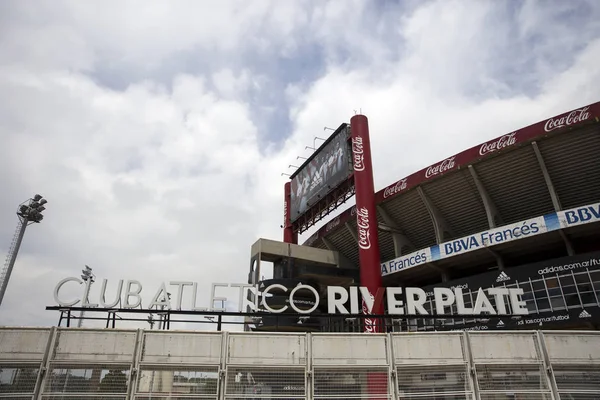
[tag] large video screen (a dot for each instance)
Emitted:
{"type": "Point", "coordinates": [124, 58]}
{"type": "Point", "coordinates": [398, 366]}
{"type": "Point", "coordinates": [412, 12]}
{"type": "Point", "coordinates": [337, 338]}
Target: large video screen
{"type": "Point", "coordinates": [326, 169]}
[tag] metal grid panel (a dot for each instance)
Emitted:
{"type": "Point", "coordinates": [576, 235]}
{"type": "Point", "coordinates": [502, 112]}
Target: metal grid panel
{"type": "Point", "coordinates": [87, 397]}
{"type": "Point", "coordinates": [265, 382]}
{"type": "Point", "coordinates": [182, 347]}
{"type": "Point", "coordinates": [511, 377]}
{"type": "Point", "coordinates": [572, 347]}
{"type": "Point", "coordinates": [516, 184]}
{"type": "Point", "coordinates": [357, 349]}
{"type": "Point", "coordinates": [456, 197]}
{"type": "Point", "coordinates": [179, 382]}
{"type": "Point", "coordinates": [515, 395]}
{"type": "Point", "coordinates": [447, 348]}
{"type": "Point", "coordinates": [94, 346]}
{"type": "Point", "coordinates": [572, 162]}
{"type": "Point", "coordinates": [433, 380]}
{"type": "Point", "coordinates": [443, 396]}
{"type": "Point", "coordinates": [267, 349]}
{"type": "Point", "coordinates": [18, 379]}
{"type": "Point", "coordinates": [573, 378]}
{"type": "Point", "coordinates": [91, 378]}
{"type": "Point", "coordinates": [504, 347]}
{"type": "Point", "coordinates": [351, 383]}
{"type": "Point", "coordinates": [23, 344]}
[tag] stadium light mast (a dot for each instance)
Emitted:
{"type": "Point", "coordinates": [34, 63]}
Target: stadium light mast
{"type": "Point", "coordinates": [29, 212]}
{"type": "Point", "coordinates": [86, 275]}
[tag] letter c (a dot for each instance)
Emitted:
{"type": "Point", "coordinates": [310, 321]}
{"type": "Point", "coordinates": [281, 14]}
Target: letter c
{"type": "Point", "coordinates": [300, 287]}
{"type": "Point", "coordinates": [57, 289]}
{"type": "Point", "coordinates": [264, 299]}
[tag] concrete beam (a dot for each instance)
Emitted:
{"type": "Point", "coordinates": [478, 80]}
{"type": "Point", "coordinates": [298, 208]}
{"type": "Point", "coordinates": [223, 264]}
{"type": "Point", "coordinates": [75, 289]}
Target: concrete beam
{"type": "Point", "coordinates": [440, 225]}
{"type": "Point", "coordinates": [343, 261]}
{"type": "Point", "coordinates": [491, 210]}
{"type": "Point", "coordinates": [399, 238]}
{"type": "Point", "coordinates": [553, 194]}
{"type": "Point", "coordinates": [352, 231]}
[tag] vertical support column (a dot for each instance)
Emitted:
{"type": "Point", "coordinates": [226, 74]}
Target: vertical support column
{"type": "Point", "coordinates": [134, 373]}
{"type": "Point", "coordinates": [222, 379]}
{"type": "Point", "coordinates": [368, 240]}
{"type": "Point", "coordinates": [366, 219]}
{"type": "Point", "coordinates": [393, 378]}
{"type": "Point", "coordinates": [309, 376]}
{"type": "Point", "coordinates": [47, 361]}
{"type": "Point", "coordinates": [289, 236]}
{"type": "Point", "coordinates": [471, 365]}
{"type": "Point", "coordinates": [44, 364]}
{"type": "Point", "coordinates": [547, 364]}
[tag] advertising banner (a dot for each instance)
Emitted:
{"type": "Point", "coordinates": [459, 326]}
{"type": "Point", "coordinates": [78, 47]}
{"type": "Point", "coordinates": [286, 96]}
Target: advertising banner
{"type": "Point", "coordinates": [528, 276]}
{"type": "Point", "coordinates": [325, 170]}
{"type": "Point", "coordinates": [503, 234]}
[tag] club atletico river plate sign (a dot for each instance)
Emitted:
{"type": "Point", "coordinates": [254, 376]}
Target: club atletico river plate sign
{"type": "Point", "coordinates": [408, 301]}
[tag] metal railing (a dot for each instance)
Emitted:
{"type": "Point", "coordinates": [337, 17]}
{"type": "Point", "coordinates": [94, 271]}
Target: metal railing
{"type": "Point", "coordinates": [72, 363]}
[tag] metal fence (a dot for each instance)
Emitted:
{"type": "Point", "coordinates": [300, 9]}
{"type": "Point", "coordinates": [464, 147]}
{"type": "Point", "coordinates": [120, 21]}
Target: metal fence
{"type": "Point", "coordinates": [68, 363]}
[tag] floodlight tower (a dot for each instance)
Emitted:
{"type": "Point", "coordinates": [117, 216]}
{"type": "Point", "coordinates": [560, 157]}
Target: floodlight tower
{"type": "Point", "coordinates": [86, 275]}
{"type": "Point", "coordinates": [29, 212]}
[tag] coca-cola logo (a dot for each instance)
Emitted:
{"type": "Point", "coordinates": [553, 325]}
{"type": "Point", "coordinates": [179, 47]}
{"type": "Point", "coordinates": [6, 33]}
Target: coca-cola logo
{"type": "Point", "coordinates": [504, 141]}
{"type": "Point", "coordinates": [364, 233]}
{"type": "Point", "coordinates": [440, 168]}
{"type": "Point", "coordinates": [332, 224]}
{"type": "Point", "coordinates": [395, 188]}
{"type": "Point", "coordinates": [370, 323]}
{"type": "Point", "coordinates": [572, 118]}
{"type": "Point", "coordinates": [285, 213]}
{"type": "Point", "coordinates": [358, 154]}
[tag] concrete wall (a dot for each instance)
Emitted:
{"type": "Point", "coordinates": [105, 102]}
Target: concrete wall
{"type": "Point", "coordinates": [134, 364]}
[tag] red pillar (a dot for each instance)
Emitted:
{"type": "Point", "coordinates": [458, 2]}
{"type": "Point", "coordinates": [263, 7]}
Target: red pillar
{"type": "Point", "coordinates": [289, 236]}
{"type": "Point", "coordinates": [368, 240]}
{"type": "Point", "coordinates": [366, 217]}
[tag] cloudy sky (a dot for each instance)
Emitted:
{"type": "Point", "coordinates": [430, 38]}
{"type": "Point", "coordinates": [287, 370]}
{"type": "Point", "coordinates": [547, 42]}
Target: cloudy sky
{"type": "Point", "coordinates": [158, 131]}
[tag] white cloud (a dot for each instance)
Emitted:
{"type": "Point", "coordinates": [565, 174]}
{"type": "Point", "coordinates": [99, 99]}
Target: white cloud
{"type": "Point", "coordinates": [170, 177]}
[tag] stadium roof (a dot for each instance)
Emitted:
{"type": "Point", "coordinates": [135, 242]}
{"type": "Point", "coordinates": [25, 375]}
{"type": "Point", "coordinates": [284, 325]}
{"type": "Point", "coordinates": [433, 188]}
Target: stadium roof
{"type": "Point", "coordinates": [543, 168]}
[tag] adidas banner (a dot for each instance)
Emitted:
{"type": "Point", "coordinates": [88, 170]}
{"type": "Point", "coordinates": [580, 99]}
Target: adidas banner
{"type": "Point", "coordinates": [546, 275]}
{"type": "Point", "coordinates": [548, 320]}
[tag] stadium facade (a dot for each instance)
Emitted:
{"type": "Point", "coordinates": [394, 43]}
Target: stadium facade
{"type": "Point", "coordinates": [518, 211]}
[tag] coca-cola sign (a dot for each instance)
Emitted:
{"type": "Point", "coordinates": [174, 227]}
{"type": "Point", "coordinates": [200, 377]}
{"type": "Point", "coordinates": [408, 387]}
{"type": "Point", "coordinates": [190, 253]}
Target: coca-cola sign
{"type": "Point", "coordinates": [332, 224]}
{"type": "Point", "coordinates": [572, 118]}
{"type": "Point", "coordinates": [498, 144]}
{"type": "Point", "coordinates": [395, 188]}
{"type": "Point", "coordinates": [370, 323]}
{"type": "Point", "coordinates": [364, 233]}
{"type": "Point", "coordinates": [440, 168]}
{"type": "Point", "coordinates": [358, 153]}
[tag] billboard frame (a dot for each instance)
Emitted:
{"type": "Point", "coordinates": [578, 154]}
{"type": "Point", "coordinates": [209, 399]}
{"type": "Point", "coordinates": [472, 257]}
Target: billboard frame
{"type": "Point", "coordinates": [334, 197]}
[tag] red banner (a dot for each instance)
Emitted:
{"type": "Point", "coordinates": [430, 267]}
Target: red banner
{"type": "Point", "coordinates": [563, 123]}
